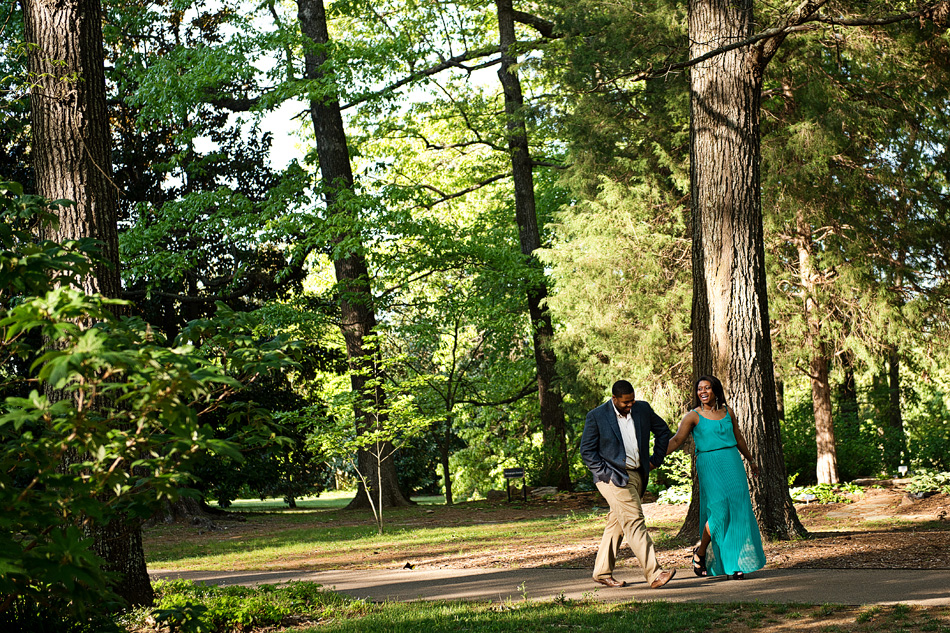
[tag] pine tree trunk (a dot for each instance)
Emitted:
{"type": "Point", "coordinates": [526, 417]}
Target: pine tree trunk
{"type": "Point", "coordinates": [827, 469]}
{"type": "Point", "coordinates": [780, 397]}
{"type": "Point", "coordinates": [848, 391]}
{"type": "Point", "coordinates": [555, 465]}
{"type": "Point", "coordinates": [72, 154]}
{"type": "Point", "coordinates": [896, 440]}
{"type": "Point", "coordinates": [827, 463]}
{"type": "Point", "coordinates": [358, 317]}
{"type": "Point", "coordinates": [725, 155]}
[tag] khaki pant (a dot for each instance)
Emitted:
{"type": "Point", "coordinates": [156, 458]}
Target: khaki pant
{"type": "Point", "coordinates": [625, 519]}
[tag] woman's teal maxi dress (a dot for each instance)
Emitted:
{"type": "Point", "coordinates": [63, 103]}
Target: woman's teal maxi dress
{"type": "Point", "coordinates": [724, 501]}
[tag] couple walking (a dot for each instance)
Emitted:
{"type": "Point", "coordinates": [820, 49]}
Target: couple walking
{"type": "Point", "coordinates": [615, 447]}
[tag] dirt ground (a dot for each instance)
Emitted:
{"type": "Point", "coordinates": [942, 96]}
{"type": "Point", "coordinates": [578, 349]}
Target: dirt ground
{"type": "Point", "coordinates": [884, 528]}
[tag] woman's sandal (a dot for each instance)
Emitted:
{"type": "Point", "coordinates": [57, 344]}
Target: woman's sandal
{"type": "Point", "coordinates": [738, 576]}
{"type": "Point", "coordinates": [699, 563]}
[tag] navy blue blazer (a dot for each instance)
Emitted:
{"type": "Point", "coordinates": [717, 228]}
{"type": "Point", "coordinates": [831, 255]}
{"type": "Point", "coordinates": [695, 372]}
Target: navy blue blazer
{"type": "Point", "coordinates": [602, 446]}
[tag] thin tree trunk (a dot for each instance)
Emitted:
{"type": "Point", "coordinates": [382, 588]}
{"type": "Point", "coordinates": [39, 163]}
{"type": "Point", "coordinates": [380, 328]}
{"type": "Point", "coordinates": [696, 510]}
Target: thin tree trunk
{"type": "Point", "coordinates": [690, 527]}
{"type": "Point", "coordinates": [358, 317]}
{"type": "Point", "coordinates": [780, 397]}
{"type": "Point", "coordinates": [555, 467]}
{"type": "Point", "coordinates": [827, 468]}
{"type": "Point", "coordinates": [897, 444]}
{"type": "Point", "coordinates": [444, 448]}
{"type": "Point", "coordinates": [727, 216]}
{"type": "Point", "coordinates": [72, 154]}
{"type": "Point", "coordinates": [827, 463]}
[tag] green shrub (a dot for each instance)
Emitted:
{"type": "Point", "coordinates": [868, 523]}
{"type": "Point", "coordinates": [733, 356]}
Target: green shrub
{"type": "Point", "coordinates": [116, 438]}
{"type": "Point", "coordinates": [675, 495]}
{"type": "Point", "coordinates": [187, 607]}
{"type": "Point", "coordinates": [930, 481]}
{"type": "Point", "coordinates": [928, 431]}
{"type": "Point", "coordinates": [53, 616]}
{"type": "Point", "coordinates": [826, 493]}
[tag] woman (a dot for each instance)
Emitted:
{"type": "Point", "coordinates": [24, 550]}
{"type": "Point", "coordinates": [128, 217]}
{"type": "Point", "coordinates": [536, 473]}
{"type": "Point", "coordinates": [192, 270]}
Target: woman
{"type": "Point", "coordinates": [730, 543]}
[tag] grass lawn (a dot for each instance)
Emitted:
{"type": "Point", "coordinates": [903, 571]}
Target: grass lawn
{"type": "Point", "coordinates": [336, 538]}
{"type": "Point", "coordinates": [326, 501]}
{"type": "Point", "coordinates": [307, 608]}
{"type": "Point", "coordinates": [322, 534]}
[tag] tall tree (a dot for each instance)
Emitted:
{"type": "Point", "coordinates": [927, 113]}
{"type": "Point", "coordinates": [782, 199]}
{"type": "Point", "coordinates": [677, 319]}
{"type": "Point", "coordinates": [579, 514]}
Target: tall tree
{"type": "Point", "coordinates": [358, 316]}
{"type": "Point", "coordinates": [730, 301]}
{"type": "Point", "coordinates": [850, 183]}
{"type": "Point", "coordinates": [730, 304]}
{"type": "Point", "coordinates": [555, 469]}
{"type": "Point", "coordinates": [72, 158]}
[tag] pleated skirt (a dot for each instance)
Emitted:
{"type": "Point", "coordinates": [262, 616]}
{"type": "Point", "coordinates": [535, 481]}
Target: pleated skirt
{"type": "Point", "coordinates": [725, 505]}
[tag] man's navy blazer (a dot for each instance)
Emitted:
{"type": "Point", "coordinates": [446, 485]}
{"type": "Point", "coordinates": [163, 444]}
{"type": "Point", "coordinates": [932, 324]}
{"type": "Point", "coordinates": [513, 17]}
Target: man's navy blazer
{"type": "Point", "coordinates": [602, 446]}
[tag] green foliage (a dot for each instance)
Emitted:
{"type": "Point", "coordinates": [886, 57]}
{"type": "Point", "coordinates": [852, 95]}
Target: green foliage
{"type": "Point", "coordinates": [675, 494]}
{"type": "Point", "coordinates": [100, 420]}
{"type": "Point", "coordinates": [25, 615]}
{"type": "Point", "coordinates": [196, 608]}
{"type": "Point", "coordinates": [927, 422]}
{"type": "Point", "coordinates": [929, 481]}
{"type": "Point", "coordinates": [826, 493]}
{"type": "Point", "coordinates": [857, 438]}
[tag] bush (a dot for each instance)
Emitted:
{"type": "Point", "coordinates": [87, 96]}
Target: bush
{"type": "Point", "coordinates": [928, 430]}
{"type": "Point", "coordinates": [929, 481]}
{"type": "Point", "coordinates": [55, 616]}
{"type": "Point", "coordinates": [197, 608]}
{"type": "Point", "coordinates": [675, 495]}
{"type": "Point", "coordinates": [99, 418]}
{"type": "Point", "coordinates": [826, 493]}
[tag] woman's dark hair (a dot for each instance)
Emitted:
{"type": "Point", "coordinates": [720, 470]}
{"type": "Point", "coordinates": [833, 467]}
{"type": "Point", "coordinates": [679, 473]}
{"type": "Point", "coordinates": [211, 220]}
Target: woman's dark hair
{"type": "Point", "coordinates": [716, 387]}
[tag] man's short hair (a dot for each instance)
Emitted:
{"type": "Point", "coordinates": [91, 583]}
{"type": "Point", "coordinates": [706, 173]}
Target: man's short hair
{"type": "Point", "coordinates": [621, 388]}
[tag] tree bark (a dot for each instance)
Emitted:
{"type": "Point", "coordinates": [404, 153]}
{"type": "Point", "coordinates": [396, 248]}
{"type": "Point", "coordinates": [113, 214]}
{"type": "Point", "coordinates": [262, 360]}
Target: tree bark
{"type": "Point", "coordinates": [555, 466]}
{"type": "Point", "coordinates": [896, 440]}
{"type": "Point", "coordinates": [848, 391]}
{"type": "Point", "coordinates": [780, 397]}
{"type": "Point", "coordinates": [827, 466]}
{"type": "Point", "coordinates": [358, 317]}
{"type": "Point", "coordinates": [72, 146]}
{"type": "Point", "coordinates": [725, 154]}
{"type": "Point", "coordinates": [444, 453]}
{"type": "Point", "coordinates": [72, 156]}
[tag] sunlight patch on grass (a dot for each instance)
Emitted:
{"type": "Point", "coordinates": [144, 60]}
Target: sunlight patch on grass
{"type": "Point", "coordinates": [334, 499]}
{"type": "Point", "coordinates": [274, 542]}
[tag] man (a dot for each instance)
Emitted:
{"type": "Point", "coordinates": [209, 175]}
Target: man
{"type": "Point", "coordinates": [615, 447]}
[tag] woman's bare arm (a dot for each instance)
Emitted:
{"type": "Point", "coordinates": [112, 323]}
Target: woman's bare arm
{"type": "Point", "coordinates": [686, 427]}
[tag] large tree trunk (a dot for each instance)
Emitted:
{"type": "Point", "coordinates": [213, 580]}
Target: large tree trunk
{"type": "Point", "coordinates": [827, 468]}
{"type": "Point", "coordinates": [555, 467]}
{"type": "Point", "coordinates": [358, 317]}
{"type": "Point", "coordinates": [72, 156]}
{"type": "Point", "coordinates": [725, 154]}
{"type": "Point", "coordinates": [72, 146]}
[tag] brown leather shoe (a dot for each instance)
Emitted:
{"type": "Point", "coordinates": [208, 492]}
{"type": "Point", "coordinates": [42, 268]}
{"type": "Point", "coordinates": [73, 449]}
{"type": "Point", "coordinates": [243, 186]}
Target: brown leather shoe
{"type": "Point", "coordinates": [662, 578]}
{"type": "Point", "coordinates": [610, 581]}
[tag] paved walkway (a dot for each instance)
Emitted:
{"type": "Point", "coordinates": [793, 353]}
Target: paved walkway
{"type": "Point", "coordinates": [812, 586]}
